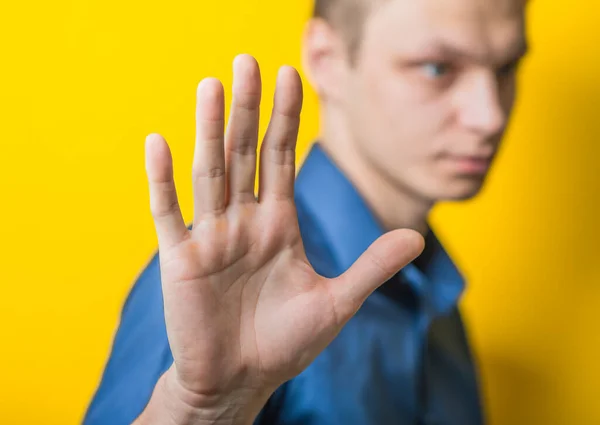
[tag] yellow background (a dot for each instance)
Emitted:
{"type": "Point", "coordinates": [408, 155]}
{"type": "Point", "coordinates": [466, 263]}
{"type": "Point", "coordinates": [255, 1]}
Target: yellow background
{"type": "Point", "coordinates": [82, 83]}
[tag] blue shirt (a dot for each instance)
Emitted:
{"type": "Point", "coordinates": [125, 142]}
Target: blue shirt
{"type": "Point", "coordinates": [403, 358]}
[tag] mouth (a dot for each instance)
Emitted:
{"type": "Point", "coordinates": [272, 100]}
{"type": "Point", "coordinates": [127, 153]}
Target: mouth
{"type": "Point", "coordinates": [470, 165]}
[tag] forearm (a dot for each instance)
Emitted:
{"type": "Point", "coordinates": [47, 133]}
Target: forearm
{"type": "Point", "coordinates": [171, 404]}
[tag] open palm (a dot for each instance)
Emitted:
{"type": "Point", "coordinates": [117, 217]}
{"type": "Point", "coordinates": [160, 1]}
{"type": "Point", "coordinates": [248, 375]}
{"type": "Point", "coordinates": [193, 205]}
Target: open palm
{"type": "Point", "coordinates": [244, 309]}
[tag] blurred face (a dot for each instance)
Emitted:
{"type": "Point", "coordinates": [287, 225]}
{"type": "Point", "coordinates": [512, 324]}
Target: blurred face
{"type": "Point", "coordinates": [430, 90]}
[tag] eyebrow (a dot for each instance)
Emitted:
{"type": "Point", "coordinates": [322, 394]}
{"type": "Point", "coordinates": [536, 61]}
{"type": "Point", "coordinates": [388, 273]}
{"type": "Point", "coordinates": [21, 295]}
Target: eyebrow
{"type": "Point", "coordinates": [440, 48]}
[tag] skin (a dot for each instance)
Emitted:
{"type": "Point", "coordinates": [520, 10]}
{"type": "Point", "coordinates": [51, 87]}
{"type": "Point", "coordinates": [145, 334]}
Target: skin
{"type": "Point", "coordinates": [417, 117]}
{"type": "Point", "coordinates": [244, 309]}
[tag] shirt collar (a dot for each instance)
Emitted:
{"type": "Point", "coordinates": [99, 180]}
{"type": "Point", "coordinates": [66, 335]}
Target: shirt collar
{"type": "Point", "coordinates": [349, 228]}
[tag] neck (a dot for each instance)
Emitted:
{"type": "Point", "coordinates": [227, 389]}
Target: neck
{"type": "Point", "coordinates": [394, 206]}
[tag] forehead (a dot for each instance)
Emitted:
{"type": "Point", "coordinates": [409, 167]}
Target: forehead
{"type": "Point", "coordinates": [485, 30]}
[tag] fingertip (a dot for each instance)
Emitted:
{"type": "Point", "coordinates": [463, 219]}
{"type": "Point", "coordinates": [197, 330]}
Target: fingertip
{"type": "Point", "coordinates": [289, 92]}
{"type": "Point", "coordinates": [417, 238]}
{"type": "Point", "coordinates": [153, 142]}
{"type": "Point", "coordinates": [244, 60]}
{"type": "Point", "coordinates": [152, 136]}
{"type": "Point", "coordinates": [289, 76]}
{"type": "Point", "coordinates": [157, 151]}
{"type": "Point", "coordinates": [410, 240]}
{"type": "Point", "coordinates": [247, 82]}
{"type": "Point", "coordinates": [210, 100]}
{"type": "Point", "coordinates": [210, 87]}
{"type": "Point", "coordinates": [421, 242]}
{"type": "Point", "coordinates": [288, 71]}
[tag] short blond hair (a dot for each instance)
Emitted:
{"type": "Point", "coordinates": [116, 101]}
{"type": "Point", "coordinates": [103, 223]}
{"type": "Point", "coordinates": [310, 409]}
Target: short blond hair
{"type": "Point", "coordinates": [346, 16]}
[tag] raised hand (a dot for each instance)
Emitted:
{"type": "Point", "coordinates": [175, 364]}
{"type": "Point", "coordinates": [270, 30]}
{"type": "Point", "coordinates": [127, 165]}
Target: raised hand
{"type": "Point", "coordinates": [244, 309]}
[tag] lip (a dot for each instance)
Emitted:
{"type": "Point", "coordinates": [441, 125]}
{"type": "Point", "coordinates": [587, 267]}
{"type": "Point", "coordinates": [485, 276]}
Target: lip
{"type": "Point", "coordinates": [475, 165]}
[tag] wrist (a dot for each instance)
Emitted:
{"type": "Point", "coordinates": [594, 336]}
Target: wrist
{"type": "Point", "coordinates": [173, 404]}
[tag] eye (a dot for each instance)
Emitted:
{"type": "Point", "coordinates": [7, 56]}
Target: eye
{"type": "Point", "coordinates": [436, 70]}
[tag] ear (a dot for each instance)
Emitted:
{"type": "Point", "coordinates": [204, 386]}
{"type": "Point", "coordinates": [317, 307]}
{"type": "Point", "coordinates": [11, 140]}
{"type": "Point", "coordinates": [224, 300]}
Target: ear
{"type": "Point", "coordinates": [325, 58]}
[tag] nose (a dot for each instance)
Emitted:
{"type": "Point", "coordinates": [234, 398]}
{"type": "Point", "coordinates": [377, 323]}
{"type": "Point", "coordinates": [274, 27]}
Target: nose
{"type": "Point", "coordinates": [480, 106]}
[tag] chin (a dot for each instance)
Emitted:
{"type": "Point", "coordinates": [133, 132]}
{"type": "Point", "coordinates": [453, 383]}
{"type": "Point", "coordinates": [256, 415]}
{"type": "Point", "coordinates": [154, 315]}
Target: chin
{"type": "Point", "coordinates": [462, 190]}
{"type": "Point", "coordinates": [465, 196]}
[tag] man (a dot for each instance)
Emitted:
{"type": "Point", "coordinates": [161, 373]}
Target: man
{"type": "Point", "coordinates": [297, 307]}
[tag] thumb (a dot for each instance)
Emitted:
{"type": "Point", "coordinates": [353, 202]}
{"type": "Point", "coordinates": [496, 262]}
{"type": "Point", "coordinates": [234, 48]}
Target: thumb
{"type": "Point", "coordinates": [382, 260]}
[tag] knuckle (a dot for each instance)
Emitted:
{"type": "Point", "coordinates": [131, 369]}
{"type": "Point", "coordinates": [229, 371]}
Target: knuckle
{"type": "Point", "coordinates": [283, 154]}
{"type": "Point", "coordinates": [244, 144]}
{"type": "Point", "coordinates": [248, 101]}
{"type": "Point", "coordinates": [160, 211]}
{"type": "Point", "coordinates": [210, 172]}
{"type": "Point", "coordinates": [379, 263]}
{"type": "Point", "coordinates": [163, 199]}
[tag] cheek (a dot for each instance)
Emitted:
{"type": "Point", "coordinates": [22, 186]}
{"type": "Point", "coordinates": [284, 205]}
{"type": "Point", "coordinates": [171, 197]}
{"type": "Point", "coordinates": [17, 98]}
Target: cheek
{"type": "Point", "coordinates": [406, 117]}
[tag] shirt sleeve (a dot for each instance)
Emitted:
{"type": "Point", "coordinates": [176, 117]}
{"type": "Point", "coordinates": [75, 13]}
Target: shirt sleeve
{"type": "Point", "coordinates": [140, 354]}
